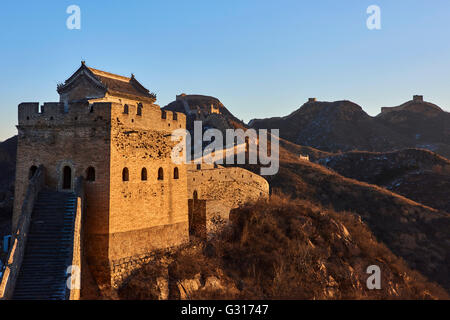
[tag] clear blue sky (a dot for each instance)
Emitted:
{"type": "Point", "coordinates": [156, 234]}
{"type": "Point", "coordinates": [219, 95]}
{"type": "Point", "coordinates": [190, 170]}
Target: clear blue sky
{"type": "Point", "coordinates": [260, 58]}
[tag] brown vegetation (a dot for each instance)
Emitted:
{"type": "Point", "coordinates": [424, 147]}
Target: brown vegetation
{"type": "Point", "coordinates": [414, 232]}
{"type": "Point", "coordinates": [282, 249]}
{"type": "Point", "coordinates": [420, 175]}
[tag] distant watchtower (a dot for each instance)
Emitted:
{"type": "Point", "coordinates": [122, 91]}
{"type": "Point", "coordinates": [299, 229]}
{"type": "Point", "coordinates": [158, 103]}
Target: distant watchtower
{"type": "Point", "coordinates": [108, 129]}
{"type": "Point", "coordinates": [418, 98]}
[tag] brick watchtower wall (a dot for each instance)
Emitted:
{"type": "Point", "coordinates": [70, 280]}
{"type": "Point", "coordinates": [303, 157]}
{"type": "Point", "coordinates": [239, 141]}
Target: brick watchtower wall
{"type": "Point", "coordinates": [149, 211]}
{"type": "Point", "coordinates": [78, 139]}
{"type": "Point", "coordinates": [124, 219]}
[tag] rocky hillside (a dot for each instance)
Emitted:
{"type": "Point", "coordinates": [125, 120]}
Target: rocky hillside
{"type": "Point", "coordinates": [424, 124]}
{"type": "Point", "coordinates": [331, 126]}
{"type": "Point", "coordinates": [344, 126]}
{"type": "Point", "coordinates": [8, 149]}
{"type": "Point", "coordinates": [413, 231]}
{"type": "Point", "coordinates": [281, 249]}
{"type": "Point", "coordinates": [417, 174]}
{"type": "Point", "coordinates": [417, 105]}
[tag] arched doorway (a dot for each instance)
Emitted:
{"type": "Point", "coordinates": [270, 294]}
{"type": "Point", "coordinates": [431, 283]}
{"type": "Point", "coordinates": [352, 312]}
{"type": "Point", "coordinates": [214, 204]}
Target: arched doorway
{"type": "Point", "coordinates": [32, 172]}
{"type": "Point", "coordinates": [67, 178]}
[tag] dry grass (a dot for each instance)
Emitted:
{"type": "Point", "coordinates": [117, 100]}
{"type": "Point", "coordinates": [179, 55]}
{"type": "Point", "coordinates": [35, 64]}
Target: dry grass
{"type": "Point", "coordinates": [292, 249]}
{"type": "Point", "coordinates": [411, 230]}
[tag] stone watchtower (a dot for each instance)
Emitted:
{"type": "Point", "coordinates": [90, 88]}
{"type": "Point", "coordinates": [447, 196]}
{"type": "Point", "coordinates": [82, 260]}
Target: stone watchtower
{"type": "Point", "coordinates": [108, 129]}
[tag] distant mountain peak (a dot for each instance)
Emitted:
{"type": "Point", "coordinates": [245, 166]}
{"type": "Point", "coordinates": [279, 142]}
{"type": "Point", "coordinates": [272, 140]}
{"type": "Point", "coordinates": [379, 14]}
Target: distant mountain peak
{"type": "Point", "coordinates": [343, 125]}
{"type": "Point", "coordinates": [204, 108]}
{"type": "Point", "coordinates": [416, 105]}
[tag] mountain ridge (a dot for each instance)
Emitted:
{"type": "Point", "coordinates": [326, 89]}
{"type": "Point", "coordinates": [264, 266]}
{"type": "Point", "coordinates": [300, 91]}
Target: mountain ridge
{"type": "Point", "coordinates": [344, 126]}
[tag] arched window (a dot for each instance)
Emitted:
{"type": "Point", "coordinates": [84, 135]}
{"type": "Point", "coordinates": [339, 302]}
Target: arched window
{"type": "Point", "coordinates": [144, 174]}
{"type": "Point", "coordinates": [195, 195]}
{"type": "Point", "coordinates": [175, 173]}
{"type": "Point", "coordinates": [32, 171]}
{"type": "Point", "coordinates": [125, 174]}
{"type": "Point", "coordinates": [125, 109]}
{"type": "Point", "coordinates": [139, 109]}
{"type": "Point", "coordinates": [175, 116]}
{"type": "Point", "coordinates": [90, 174]}
{"type": "Point", "coordinates": [163, 114]}
{"type": "Point", "coordinates": [160, 174]}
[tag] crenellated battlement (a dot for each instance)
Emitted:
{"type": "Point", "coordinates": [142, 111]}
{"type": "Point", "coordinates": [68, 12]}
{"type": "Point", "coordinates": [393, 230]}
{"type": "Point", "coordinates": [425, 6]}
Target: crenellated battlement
{"type": "Point", "coordinates": [147, 117]}
{"type": "Point", "coordinates": [57, 114]}
{"type": "Point", "coordinates": [136, 115]}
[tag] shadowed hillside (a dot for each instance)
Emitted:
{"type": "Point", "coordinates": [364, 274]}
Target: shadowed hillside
{"type": "Point", "coordinates": [419, 175]}
{"type": "Point", "coordinates": [413, 231]}
{"type": "Point", "coordinates": [425, 124]}
{"type": "Point", "coordinates": [332, 126]}
{"type": "Point", "coordinates": [344, 126]}
{"type": "Point", "coordinates": [8, 149]}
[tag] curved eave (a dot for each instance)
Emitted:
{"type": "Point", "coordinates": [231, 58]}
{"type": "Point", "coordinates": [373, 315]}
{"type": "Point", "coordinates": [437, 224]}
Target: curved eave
{"type": "Point", "coordinates": [149, 98]}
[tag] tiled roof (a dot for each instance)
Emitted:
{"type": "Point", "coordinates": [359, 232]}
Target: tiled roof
{"type": "Point", "coordinates": [113, 83]}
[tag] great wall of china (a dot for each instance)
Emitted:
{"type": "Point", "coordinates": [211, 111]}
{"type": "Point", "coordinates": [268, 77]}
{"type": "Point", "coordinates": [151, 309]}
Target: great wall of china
{"type": "Point", "coordinates": [96, 188]}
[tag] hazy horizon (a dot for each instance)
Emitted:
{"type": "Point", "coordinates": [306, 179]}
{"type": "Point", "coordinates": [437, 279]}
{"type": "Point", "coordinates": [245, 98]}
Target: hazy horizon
{"type": "Point", "coordinates": [261, 59]}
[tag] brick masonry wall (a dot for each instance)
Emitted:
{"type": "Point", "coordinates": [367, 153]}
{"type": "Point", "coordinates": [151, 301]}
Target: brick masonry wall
{"type": "Point", "coordinates": [223, 189]}
{"type": "Point", "coordinates": [161, 236]}
{"type": "Point", "coordinates": [153, 213]}
{"type": "Point", "coordinates": [78, 139]}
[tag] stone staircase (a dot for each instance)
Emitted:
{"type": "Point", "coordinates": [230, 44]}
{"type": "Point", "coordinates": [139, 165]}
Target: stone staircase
{"type": "Point", "coordinates": [48, 251]}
